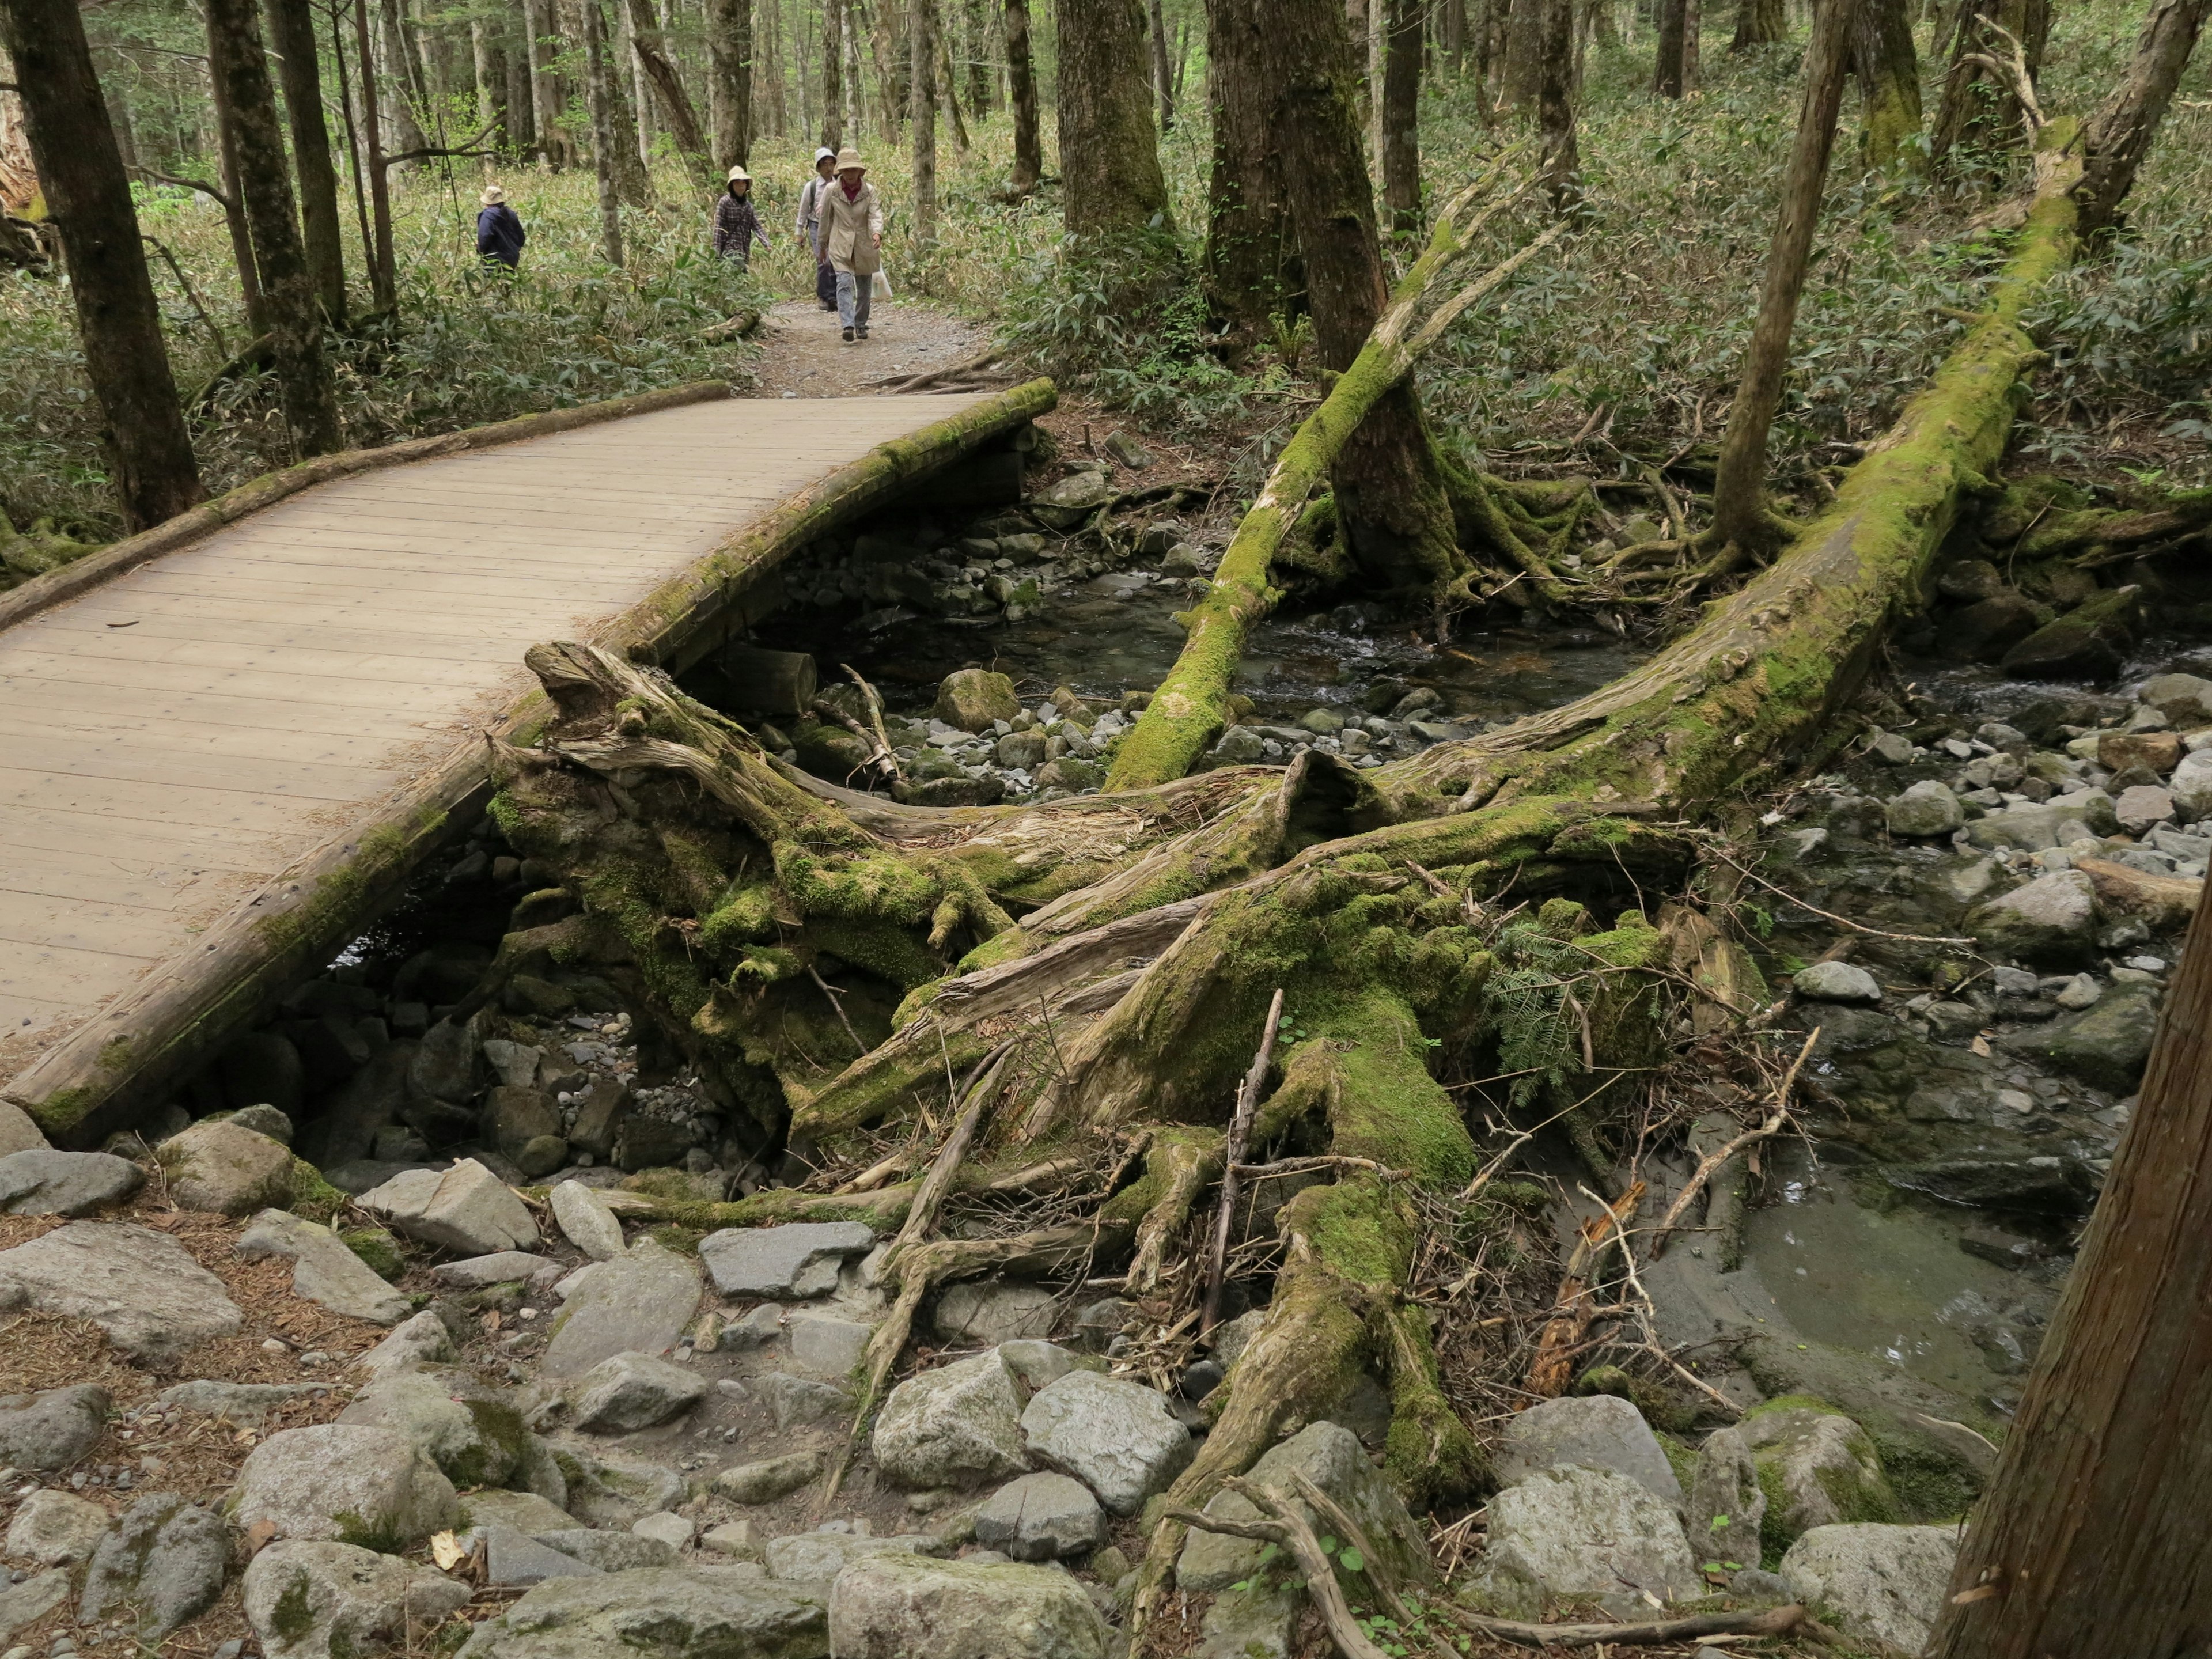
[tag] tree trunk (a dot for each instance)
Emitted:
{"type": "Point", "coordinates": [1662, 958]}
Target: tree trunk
{"type": "Point", "coordinates": [1978, 109]}
{"type": "Point", "coordinates": [921, 53]}
{"type": "Point", "coordinates": [383, 263]}
{"type": "Point", "coordinates": [2087, 1542]}
{"type": "Point", "coordinates": [292, 32]}
{"type": "Point", "coordinates": [118, 321]}
{"type": "Point", "coordinates": [1400, 97]}
{"type": "Point", "coordinates": [1524, 51]}
{"type": "Point", "coordinates": [1110, 157]}
{"type": "Point", "coordinates": [1741, 520]}
{"type": "Point", "coordinates": [1555, 109]}
{"type": "Point", "coordinates": [486, 73]}
{"type": "Point", "coordinates": [2120, 134]}
{"type": "Point", "coordinates": [730, 62]}
{"type": "Point", "coordinates": [1887, 67]}
{"type": "Point", "coordinates": [517, 130]}
{"type": "Point", "coordinates": [1668, 72]}
{"type": "Point", "coordinates": [1759, 23]}
{"type": "Point", "coordinates": [398, 80]}
{"type": "Point", "coordinates": [1250, 255]}
{"type": "Point", "coordinates": [235, 222]}
{"type": "Point", "coordinates": [980, 76]}
{"type": "Point", "coordinates": [833, 73]}
{"type": "Point", "coordinates": [683, 116]}
{"type": "Point", "coordinates": [599, 92]}
{"type": "Point", "coordinates": [1694, 40]}
{"type": "Point", "coordinates": [544, 89]}
{"type": "Point", "coordinates": [1021, 93]}
{"type": "Point", "coordinates": [1451, 35]}
{"type": "Point", "coordinates": [1162, 75]}
{"type": "Point", "coordinates": [295, 329]}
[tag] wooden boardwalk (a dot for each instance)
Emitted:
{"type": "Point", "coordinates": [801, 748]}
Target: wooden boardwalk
{"type": "Point", "coordinates": [175, 739]}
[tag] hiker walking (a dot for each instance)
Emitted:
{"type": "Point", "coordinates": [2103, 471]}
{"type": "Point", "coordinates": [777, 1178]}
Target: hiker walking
{"type": "Point", "coordinates": [736, 224]}
{"type": "Point", "coordinates": [853, 236]}
{"type": "Point", "coordinates": [500, 235]}
{"type": "Point", "coordinates": [809, 227]}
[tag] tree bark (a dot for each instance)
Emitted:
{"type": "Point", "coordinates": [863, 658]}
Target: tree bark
{"type": "Point", "coordinates": [1555, 109]}
{"type": "Point", "coordinates": [730, 62]}
{"type": "Point", "coordinates": [1110, 157]}
{"type": "Point", "coordinates": [599, 92]}
{"type": "Point", "coordinates": [1524, 51]}
{"type": "Point", "coordinates": [1669, 73]}
{"type": "Point", "coordinates": [118, 321]}
{"type": "Point", "coordinates": [683, 116]}
{"type": "Point", "coordinates": [233, 211]}
{"type": "Point", "coordinates": [1400, 97]}
{"type": "Point", "coordinates": [1250, 260]}
{"type": "Point", "coordinates": [399, 80]}
{"type": "Point", "coordinates": [1163, 74]}
{"type": "Point", "coordinates": [544, 88]}
{"type": "Point", "coordinates": [833, 75]}
{"type": "Point", "coordinates": [1979, 108]}
{"type": "Point", "coordinates": [1759, 23]}
{"type": "Point", "coordinates": [1741, 520]}
{"type": "Point", "coordinates": [981, 76]}
{"type": "Point", "coordinates": [921, 53]}
{"type": "Point", "coordinates": [295, 329]}
{"type": "Point", "coordinates": [1021, 93]}
{"type": "Point", "coordinates": [1887, 69]}
{"type": "Point", "coordinates": [383, 264]}
{"type": "Point", "coordinates": [2120, 134]}
{"type": "Point", "coordinates": [2087, 1542]}
{"type": "Point", "coordinates": [292, 32]}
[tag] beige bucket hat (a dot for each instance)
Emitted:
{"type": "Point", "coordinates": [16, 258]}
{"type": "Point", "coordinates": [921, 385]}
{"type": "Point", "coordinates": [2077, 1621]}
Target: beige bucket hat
{"type": "Point", "coordinates": [492, 195]}
{"type": "Point", "coordinates": [850, 161]}
{"type": "Point", "coordinates": [739, 176]}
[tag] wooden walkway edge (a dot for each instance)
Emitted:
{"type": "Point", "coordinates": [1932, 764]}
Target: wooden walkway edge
{"type": "Point", "coordinates": [88, 1073]}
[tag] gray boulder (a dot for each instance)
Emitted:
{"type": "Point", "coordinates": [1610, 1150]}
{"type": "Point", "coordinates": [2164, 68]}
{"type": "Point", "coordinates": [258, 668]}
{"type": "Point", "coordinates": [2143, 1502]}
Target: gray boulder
{"type": "Point", "coordinates": [217, 1165]}
{"type": "Point", "coordinates": [1836, 981]}
{"type": "Point", "coordinates": [54, 1429]}
{"type": "Point", "coordinates": [1872, 1581]}
{"type": "Point", "coordinates": [31, 1600]}
{"type": "Point", "coordinates": [264, 1120]}
{"type": "Point", "coordinates": [525, 1511]}
{"type": "Point", "coordinates": [769, 1480]}
{"type": "Point", "coordinates": [141, 1287]}
{"type": "Point", "coordinates": [421, 1340]}
{"type": "Point", "coordinates": [1583, 1532]}
{"type": "Point", "coordinates": [2141, 806]}
{"type": "Point", "coordinates": [242, 1402]}
{"type": "Point", "coordinates": [1118, 1437]}
{"type": "Point", "coordinates": [788, 1263]}
{"type": "Point", "coordinates": [975, 1315]}
{"type": "Point", "coordinates": [2050, 922]}
{"type": "Point", "coordinates": [1038, 1365]}
{"type": "Point", "coordinates": [587, 1221]}
{"type": "Point", "coordinates": [1928, 808]}
{"type": "Point", "coordinates": [1599, 1432]}
{"type": "Point", "coordinates": [815, 1557]}
{"type": "Point", "coordinates": [470, 1430]}
{"type": "Point", "coordinates": [164, 1559]}
{"type": "Point", "coordinates": [604, 1493]}
{"type": "Point", "coordinates": [1331, 1456]}
{"type": "Point", "coordinates": [1041, 1517]}
{"type": "Point", "coordinates": [65, 1184]}
{"type": "Point", "coordinates": [465, 1208]}
{"type": "Point", "coordinates": [958, 1426]}
{"type": "Point", "coordinates": [1727, 1506]}
{"type": "Point", "coordinates": [309, 1601]}
{"type": "Point", "coordinates": [896, 1607]}
{"type": "Point", "coordinates": [974, 698]}
{"type": "Point", "coordinates": [478, 1273]}
{"type": "Point", "coordinates": [1781, 1471]}
{"type": "Point", "coordinates": [798, 1399]}
{"type": "Point", "coordinates": [2107, 1045]}
{"type": "Point", "coordinates": [2191, 784]}
{"type": "Point", "coordinates": [658, 1613]}
{"type": "Point", "coordinates": [18, 1133]}
{"type": "Point", "coordinates": [609, 1551]}
{"type": "Point", "coordinates": [513, 1557]}
{"type": "Point", "coordinates": [628, 1392]}
{"type": "Point", "coordinates": [323, 1269]}
{"type": "Point", "coordinates": [639, 1303]}
{"type": "Point", "coordinates": [353, 1483]}
{"type": "Point", "coordinates": [826, 1345]}
{"type": "Point", "coordinates": [54, 1528]}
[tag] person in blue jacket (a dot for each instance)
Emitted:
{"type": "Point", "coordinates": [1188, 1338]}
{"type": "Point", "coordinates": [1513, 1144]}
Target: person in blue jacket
{"type": "Point", "coordinates": [500, 235]}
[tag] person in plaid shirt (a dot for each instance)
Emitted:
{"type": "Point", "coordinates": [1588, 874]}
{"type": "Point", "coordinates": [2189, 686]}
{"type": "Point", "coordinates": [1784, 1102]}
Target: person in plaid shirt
{"type": "Point", "coordinates": [737, 225]}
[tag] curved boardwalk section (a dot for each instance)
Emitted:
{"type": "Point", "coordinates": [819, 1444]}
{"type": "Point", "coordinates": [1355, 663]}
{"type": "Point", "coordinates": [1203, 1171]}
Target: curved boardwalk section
{"type": "Point", "coordinates": [180, 740]}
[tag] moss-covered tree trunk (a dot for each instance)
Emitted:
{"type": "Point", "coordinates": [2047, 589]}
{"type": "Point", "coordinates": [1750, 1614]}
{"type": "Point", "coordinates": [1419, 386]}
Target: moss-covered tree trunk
{"type": "Point", "coordinates": [1109, 154]}
{"type": "Point", "coordinates": [1759, 23]}
{"type": "Point", "coordinates": [1886, 65]}
{"type": "Point", "coordinates": [1980, 112]}
{"type": "Point", "coordinates": [1250, 262]}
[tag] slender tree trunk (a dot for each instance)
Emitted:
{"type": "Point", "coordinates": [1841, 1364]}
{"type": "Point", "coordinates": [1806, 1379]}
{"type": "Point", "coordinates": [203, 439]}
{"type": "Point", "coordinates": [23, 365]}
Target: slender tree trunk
{"type": "Point", "coordinates": [544, 87]}
{"type": "Point", "coordinates": [683, 116]}
{"type": "Point", "coordinates": [1693, 39]}
{"type": "Point", "coordinates": [1524, 51]}
{"type": "Point", "coordinates": [950, 85]}
{"type": "Point", "coordinates": [1739, 516]}
{"type": "Point", "coordinates": [2089, 1540]}
{"type": "Point", "coordinates": [383, 261]}
{"type": "Point", "coordinates": [1109, 155]}
{"type": "Point", "coordinates": [1451, 35]}
{"type": "Point", "coordinates": [1555, 109]}
{"type": "Point", "coordinates": [295, 329]}
{"type": "Point", "coordinates": [1021, 93]}
{"type": "Point", "coordinates": [1250, 248]}
{"type": "Point", "coordinates": [599, 93]}
{"type": "Point", "coordinates": [487, 80]}
{"type": "Point", "coordinates": [399, 80]}
{"type": "Point", "coordinates": [2120, 135]}
{"type": "Point", "coordinates": [921, 71]}
{"type": "Point", "coordinates": [235, 222]}
{"type": "Point", "coordinates": [730, 60]}
{"type": "Point", "coordinates": [1979, 108]}
{"type": "Point", "coordinates": [1667, 73]}
{"type": "Point", "coordinates": [979, 75]}
{"type": "Point", "coordinates": [292, 32]}
{"type": "Point", "coordinates": [1393, 509]}
{"type": "Point", "coordinates": [349, 109]}
{"type": "Point", "coordinates": [1887, 69]}
{"type": "Point", "coordinates": [1759, 23]}
{"type": "Point", "coordinates": [118, 321]}
{"type": "Point", "coordinates": [832, 129]}
{"type": "Point", "coordinates": [1163, 77]}
{"type": "Point", "coordinates": [1400, 99]}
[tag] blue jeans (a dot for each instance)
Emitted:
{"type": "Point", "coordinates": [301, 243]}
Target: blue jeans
{"type": "Point", "coordinates": [853, 294]}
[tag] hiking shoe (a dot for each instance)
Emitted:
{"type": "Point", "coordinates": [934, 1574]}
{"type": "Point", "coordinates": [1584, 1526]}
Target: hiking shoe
{"type": "Point", "coordinates": [864, 334]}
{"type": "Point", "coordinates": [848, 337]}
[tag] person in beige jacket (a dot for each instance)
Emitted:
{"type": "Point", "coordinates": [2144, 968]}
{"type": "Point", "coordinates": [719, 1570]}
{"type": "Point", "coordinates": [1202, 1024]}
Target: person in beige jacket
{"type": "Point", "coordinates": [852, 239]}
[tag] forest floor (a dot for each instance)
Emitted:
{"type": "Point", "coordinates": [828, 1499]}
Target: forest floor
{"type": "Point", "coordinates": [804, 357]}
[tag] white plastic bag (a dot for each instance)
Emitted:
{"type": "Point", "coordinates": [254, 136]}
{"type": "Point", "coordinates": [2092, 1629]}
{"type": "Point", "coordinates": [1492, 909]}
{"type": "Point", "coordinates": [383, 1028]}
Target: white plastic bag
{"type": "Point", "coordinates": [883, 285]}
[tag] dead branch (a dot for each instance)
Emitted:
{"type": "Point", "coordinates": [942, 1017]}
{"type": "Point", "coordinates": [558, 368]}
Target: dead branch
{"type": "Point", "coordinates": [1571, 1310]}
{"type": "Point", "coordinates": [1714, 1160]}
{"type": "Point", "coordinates": [1289, 1530]}
{"type": "Point", "coordinates": [822, 986]}
{"type": "Point", "coordinates": [1769, 1621]}
{"type": "Point", "coordinates": [983, 1084]}
{"type": "Point", "coordinates": [967, 366]}
{"type": "Point", "coordinates": [874, 699]}
{"type": "Point", "coordinates": [743, 323]}
{"type": "Point", "coordinates": [1338, 1519]}
{"type": "Point", "coordinates": [1240, 1130]}
{"type": "Point", "coordinates": [1290, 1166]}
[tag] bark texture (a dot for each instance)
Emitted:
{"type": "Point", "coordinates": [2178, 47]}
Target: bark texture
{"type": "Point", "coordinates": [921, 58]}
{"type": "Point", "coordinates": [1400, 112]}
{"type": "Point", "coordinates": [1887, 69]}
{"type": "Point", "coordinates": [1251, 261]}
{"type": "Point", "coordinates": [676, 105]}
{"type": "Point", "coordinates": [730, 62]}
{"type": "Point", "coordinates": [1759, 23]}
{"type": "Point", "coordinates": [1669, 74]}
{"type": "Point", "coordinates": [833, 75]}
{"type": "Point", "coordinates": [1021, 93]}
{"type": "Point", "coordinates": [598, 69]}
{"type": "Point", "coordinates": [292, 34]}
{"type": "Point", "coordinates": [1110, 156]}
{"type": "Point", "coordinates": [1555, 109]}
{"type": "Point", "coordinates": [1980, 109]}
{"type": "Point", "coordinates": [2119, 136]}
{"type": "Point", "coordinates": [118, 321]}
